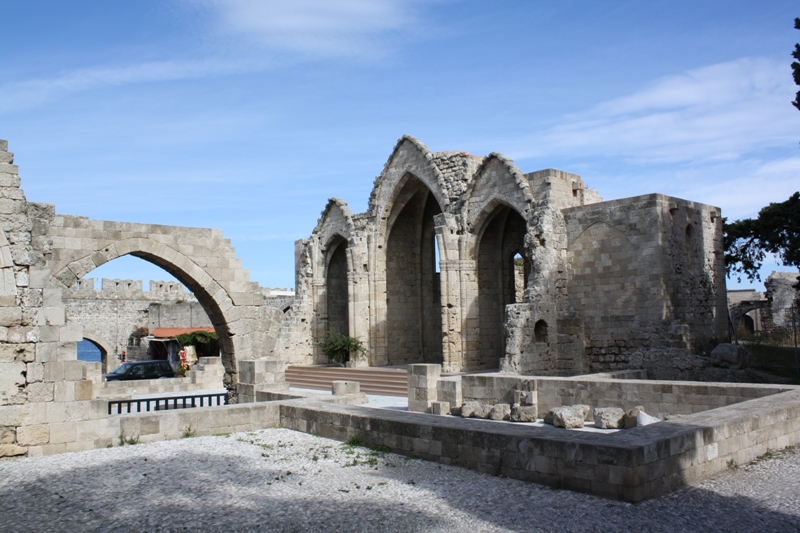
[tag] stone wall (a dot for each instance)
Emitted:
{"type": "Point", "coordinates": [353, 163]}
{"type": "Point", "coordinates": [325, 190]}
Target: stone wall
{"type": "Point", "coordinates": [646, 272]}
{"type": "Point", "coordinates": [44, 389]}
{"type": "Point", "coordinates": [110, 316]}
{"type": "Point", "coordinates": [631, 465]}
{"type": "Point", "coordinates": [602, 279]}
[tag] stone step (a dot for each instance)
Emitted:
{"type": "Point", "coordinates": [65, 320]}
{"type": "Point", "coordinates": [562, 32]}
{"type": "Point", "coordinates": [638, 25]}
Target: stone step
{"type": "Point", "coordinates": [381, 381]}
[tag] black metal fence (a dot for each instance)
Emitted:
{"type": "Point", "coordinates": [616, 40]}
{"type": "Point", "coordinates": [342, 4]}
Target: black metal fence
{"type": "Point", "coordinates": [142, 405]}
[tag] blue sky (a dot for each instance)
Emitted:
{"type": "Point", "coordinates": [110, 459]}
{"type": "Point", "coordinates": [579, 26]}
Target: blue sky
{"type": "Point", "coordinates": [248, 115]}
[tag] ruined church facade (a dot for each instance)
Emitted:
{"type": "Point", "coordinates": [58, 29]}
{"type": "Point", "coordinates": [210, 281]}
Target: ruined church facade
{"type": "Point", "coordinates": [468, 262]}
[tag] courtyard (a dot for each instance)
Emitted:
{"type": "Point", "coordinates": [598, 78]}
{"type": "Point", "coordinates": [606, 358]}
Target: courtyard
{"type": "Point", "coordinates": [285, 481]}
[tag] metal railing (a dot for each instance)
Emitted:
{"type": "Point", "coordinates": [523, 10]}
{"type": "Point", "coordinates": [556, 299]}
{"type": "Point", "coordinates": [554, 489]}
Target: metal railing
{"type": "Point", "coordinates": [162, 404]}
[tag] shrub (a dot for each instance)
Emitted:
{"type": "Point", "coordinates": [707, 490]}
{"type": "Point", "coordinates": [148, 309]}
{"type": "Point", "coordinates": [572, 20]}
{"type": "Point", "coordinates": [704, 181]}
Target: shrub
{"type": "Point", "coordinates": [338, 347]}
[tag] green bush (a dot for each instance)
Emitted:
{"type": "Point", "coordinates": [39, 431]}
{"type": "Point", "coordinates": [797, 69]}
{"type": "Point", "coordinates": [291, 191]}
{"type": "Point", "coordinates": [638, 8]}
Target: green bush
{"type": "Point", "coordinates": [338, 347]}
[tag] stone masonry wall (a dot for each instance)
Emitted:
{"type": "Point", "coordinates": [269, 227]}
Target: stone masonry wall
{"type": "Point", "coordinates": [603, 278]}
{"type": "Point", "coordinates": [111, 315]}
{"type": "Point", "coordinates": [44, 389]}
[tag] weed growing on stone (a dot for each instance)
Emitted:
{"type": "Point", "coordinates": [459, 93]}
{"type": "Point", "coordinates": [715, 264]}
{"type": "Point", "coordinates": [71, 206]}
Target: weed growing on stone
{"type": "Point", "coordinates": [354, 441]}
{"type": "Point", "coordinates": [732, 464]}
{"type": "Point", "coordinates": [123, 440]}
{"type": "Point", "coordinates": [188, 432]}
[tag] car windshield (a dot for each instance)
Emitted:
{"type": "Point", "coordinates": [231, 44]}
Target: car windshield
{"type": "Point", "coordinates": [123, 369]}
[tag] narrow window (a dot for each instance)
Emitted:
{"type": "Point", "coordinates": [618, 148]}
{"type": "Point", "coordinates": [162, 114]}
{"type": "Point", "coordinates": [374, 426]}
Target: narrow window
{"type": "Point", "coordinates": [436, 253]}
{"type": "Point", "coordinates": [540, 331]}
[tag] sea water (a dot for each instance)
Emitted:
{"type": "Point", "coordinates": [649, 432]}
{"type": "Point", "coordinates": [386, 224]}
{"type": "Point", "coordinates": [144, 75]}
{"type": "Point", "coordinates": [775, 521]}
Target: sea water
{"type": "Point", "coordinates": [87, 351]}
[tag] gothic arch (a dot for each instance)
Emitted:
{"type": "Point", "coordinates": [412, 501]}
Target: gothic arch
{"type": "Point", "coordinates": [409, 158]}
{"type": "Point", "coordinates": [497, 180]}
{"type": "Point", "coordinates": [413, 287]}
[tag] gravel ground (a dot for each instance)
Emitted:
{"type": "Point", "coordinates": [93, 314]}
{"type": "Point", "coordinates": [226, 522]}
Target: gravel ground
{"type": "Point", "coordinates": [280, 480]}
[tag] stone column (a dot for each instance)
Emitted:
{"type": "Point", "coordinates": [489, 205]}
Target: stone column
{"type": "Point", "coordinates": [422, 381]}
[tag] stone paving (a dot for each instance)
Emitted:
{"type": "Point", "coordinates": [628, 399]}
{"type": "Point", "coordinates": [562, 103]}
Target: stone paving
{"type": "Point", "coordinates": [280, 480]}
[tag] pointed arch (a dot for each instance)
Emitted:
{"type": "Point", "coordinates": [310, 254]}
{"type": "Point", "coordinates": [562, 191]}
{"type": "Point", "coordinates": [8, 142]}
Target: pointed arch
{"type": "Point", "coordinates": [335, 218]}
{"type": "Point", "coordinates": [500, 240]}
{"type": "Point", "coordinates": [413, 286]}
{"type": "Point", "coordinates": [497, 180]}
{"type": "Point", "coordinates": [409, 157]}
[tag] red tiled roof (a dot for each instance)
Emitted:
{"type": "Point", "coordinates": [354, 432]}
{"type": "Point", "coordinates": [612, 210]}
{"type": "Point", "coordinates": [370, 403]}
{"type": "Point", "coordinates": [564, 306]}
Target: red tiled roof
{"type": "Point", "coordinates": [166, 333]}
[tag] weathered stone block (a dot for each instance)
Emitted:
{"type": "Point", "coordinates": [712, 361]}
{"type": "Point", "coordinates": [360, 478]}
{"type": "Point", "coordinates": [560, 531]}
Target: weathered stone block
{"type": "Point", "coordinates": [8, 434]}
{"type": "Point", "coordinates": [570, 416]}
{"type": "Point", "coordinates": [469, 408]}
{"type": "Point", "coordinates": [84, 390]}
{"type": "Point", "coordinates": [733, 356]}
{"type": "Point", "coordinates": [40, 392]}
{"type": "Point", "coordinates": [630, 417]}
{"type": "Point", "coordinates": [11, 450]}
{"type": "Point", "coordinates": [449, 390]}
{"type": "Point", "coordinates": [523, 413]}
{"type": "Point", "coordinates": [500, 411]}
{"type": "Point", "coordinates": [33, 435]}
{"type": "Point", "coordinates": [440, 408]}
{"type": "Point", "coordinates": [609, 417]}
{"type": "Point", "coordinates": [10, 316]}
{"type": "Point", "coordinates": [345, 387]}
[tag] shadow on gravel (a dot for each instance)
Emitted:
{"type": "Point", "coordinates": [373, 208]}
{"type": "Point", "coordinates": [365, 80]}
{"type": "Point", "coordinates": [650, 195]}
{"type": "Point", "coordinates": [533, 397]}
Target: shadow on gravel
{"type": "Point", "coordinates": [140, 494]}
{"type": "Point", "coordinates": [528, 507]}
{"type": "Point", "coordinates": [227, 492]}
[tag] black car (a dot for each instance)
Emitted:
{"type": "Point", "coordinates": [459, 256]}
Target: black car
{"type": "Point", "coordinates": [141, 370]}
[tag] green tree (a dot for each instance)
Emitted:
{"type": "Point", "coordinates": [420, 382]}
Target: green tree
{"type": "Point", "coordinates": [796, 65]}
{"type": "Point", "coordinates": [776, 230]}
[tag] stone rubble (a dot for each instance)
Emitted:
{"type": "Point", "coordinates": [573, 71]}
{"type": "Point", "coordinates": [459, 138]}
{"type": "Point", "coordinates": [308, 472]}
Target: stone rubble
{"type": "Point", "coordinates": [570, 416]}
{"type": "Point", "coordinates": [609, 417]}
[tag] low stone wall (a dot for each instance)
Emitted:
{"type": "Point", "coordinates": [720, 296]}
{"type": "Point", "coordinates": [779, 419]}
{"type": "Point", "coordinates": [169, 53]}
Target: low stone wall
{"type": "Point", "coordinates": [659, 398]}
{"type": "Point", "coordinates": [86, 425]}
{"type": "Point", "coordinates": [631, 465]}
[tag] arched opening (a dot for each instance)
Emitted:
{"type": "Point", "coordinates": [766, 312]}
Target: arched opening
{"type": "Point", "coordinates": [503, 272]}
{"type": "Point", "coordinates": [413, 299]}
{"type": "Point", "coordinates": [336, 283]}
{"type": "Point", "coordinates": [94, 352]}
{"type": "Point", "coordinates": [124, 322]}
{"type": "Point", "coordinates": [540, 331]}
{"type": "Point", "coordinates": [748, 324]}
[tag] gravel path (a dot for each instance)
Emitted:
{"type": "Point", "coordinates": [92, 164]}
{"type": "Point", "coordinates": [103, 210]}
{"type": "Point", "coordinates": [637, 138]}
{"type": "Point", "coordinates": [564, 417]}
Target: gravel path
{"type": "Point", "coordinates": [280, 480]}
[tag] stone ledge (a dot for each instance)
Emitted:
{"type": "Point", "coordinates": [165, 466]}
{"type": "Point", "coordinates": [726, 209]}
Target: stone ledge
{"type": "Point", "coordinates": [631, 465]}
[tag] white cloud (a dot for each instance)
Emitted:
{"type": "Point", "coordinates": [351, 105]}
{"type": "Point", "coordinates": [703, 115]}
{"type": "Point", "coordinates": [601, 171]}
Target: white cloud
{"type": "Point", "coordinates": [306, 28]}
{"type": "Point", "coordinates": [21, 95]}
{"type": "Point", "coordinates": [318, 27]}
{"type": "Point", "coordinates": [717, 112]}
{"type": "Point", "coordinates": [755, 185]}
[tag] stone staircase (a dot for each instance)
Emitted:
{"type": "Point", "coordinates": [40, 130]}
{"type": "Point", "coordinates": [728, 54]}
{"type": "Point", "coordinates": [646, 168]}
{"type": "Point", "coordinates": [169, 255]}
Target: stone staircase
{"type": "Point", "coordinates": [374, 380]}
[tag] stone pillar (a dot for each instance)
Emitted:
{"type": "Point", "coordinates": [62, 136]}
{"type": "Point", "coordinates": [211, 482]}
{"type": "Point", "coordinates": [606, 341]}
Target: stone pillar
{"type": "Point", "coordinates": [345, 387]}
{"type": "Point", "coordinates": [260, 374]}
{"type": "Point", "coordinates": [450, 289]}
{"type": "Point", "coordinates": [449, 390]}
{"type": "Point", "coordinates": [422, 383]}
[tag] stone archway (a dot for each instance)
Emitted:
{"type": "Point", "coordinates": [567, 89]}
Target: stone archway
{"type": "Point", "coordinates": [413, 299]}
{"type": "Point", "coordinates": [199, 258]}
{"type": "Point", "coordinates": [337, 301]}
{"type": "Point", "coordinates": [104, 346]}
{"type": "Point", "coordinates": [500, 243]}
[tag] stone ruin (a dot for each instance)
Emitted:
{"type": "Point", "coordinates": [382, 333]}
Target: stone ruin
{"type": "Point", "coordinates": [430, 273]}
{"type": "Point", "coordinates": [460, 264]}
{"type": "Point", "coordinates": [767, 313]}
